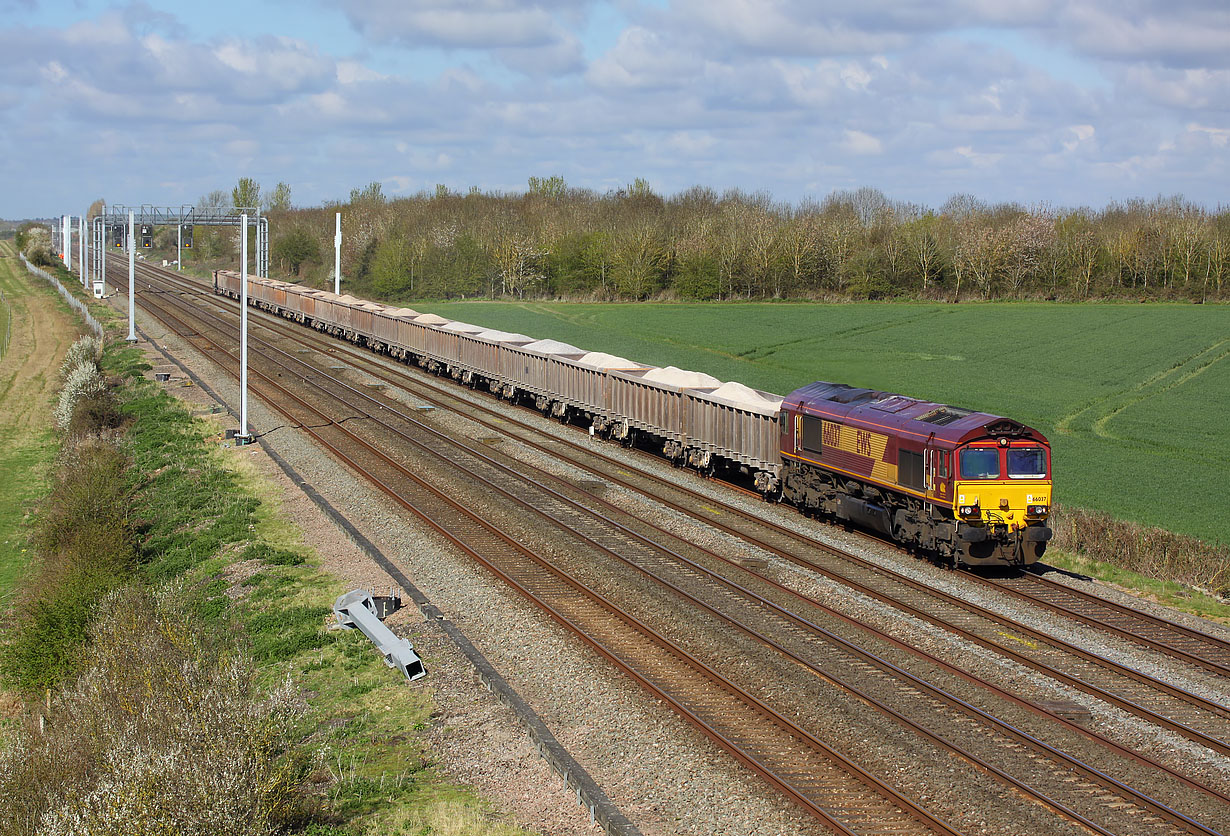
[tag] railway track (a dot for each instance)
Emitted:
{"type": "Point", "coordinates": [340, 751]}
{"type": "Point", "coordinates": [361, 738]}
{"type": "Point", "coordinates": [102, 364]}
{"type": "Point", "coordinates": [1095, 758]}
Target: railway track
{"type": "Point", "coordinates": [1176, 640]}
{"type": "Point", "coordinates": [1142, 808]}
{"type": "Point", "coordinates": [845, 797]}
{"type": "Point", "coordinates": [1199, 719]}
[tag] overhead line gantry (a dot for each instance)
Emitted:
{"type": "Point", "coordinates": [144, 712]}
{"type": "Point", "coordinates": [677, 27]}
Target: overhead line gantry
{"type": "Point", "coordinates": [114, 220]}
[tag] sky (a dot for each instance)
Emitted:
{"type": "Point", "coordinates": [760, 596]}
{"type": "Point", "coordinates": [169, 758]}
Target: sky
{"type": "Point", "coordinates": [1036, 102]}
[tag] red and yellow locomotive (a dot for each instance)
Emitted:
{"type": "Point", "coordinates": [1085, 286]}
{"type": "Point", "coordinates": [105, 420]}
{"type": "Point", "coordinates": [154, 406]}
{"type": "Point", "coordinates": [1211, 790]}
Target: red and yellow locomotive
{"type": "Point", "coordinates": [969, 487]}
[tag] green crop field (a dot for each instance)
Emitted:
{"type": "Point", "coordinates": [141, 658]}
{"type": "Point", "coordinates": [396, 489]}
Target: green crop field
{"type": "Point", "coordinates": [1135, 398]}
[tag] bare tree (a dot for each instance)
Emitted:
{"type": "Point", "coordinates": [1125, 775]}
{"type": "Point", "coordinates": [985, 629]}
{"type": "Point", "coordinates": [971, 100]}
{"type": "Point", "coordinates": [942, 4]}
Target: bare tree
{"type": "Point", "coordinates": [840, 236]}
{"type": "Point", "coordinates": [1078, 250]}
{"type": "Point", "coordinates": [519, 263]}
{"type": "Point", "coordinates": [1185, 242]}
{"type": "Point", "coordinates": [923, 246]}
{"type": "Point", "coordinates": [763, 239]}
{"type": "Point", "coordinates": [731, 249]}
{"type": "Point", "coordinates": [800, 248]}
{"type": "Point", "coordinates": [217, 200]}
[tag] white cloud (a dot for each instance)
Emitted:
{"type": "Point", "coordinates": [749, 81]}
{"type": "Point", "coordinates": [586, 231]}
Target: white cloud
{"type": "Point", "coordinates": [857, 142]}
{"type": "Point", "coordinates": [54, 72]}
{"type": "Point", "coordinates": [690, 143]}
{"type": "Point", "coordinates": [977, 159]}
{"type": "Point", "coordinates": [1189, 89]}
{"type": "Point", "coordinates": [1173, 34]}
{"type": "Point", "coordinates": [354, 72]}
{"type": "Point", "coordinates": [1207, 136]}
{"type": "Point", "coordinates": [644, 60]}
{"type": "Point", "coordinates": [785, 27]}
{"type": "Point", "coordinates": [1080, 135]}
{"type": "Point", "coordinates": [527, 36]}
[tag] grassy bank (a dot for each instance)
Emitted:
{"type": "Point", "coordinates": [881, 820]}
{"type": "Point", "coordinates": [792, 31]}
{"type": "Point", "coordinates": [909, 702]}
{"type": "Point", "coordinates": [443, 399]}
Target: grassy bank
{"type": "Point", "coordinates": [225, 601]}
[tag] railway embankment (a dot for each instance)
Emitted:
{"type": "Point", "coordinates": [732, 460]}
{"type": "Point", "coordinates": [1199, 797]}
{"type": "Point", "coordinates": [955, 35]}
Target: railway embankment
{"type": "Point", "coordinates": [168, 658]}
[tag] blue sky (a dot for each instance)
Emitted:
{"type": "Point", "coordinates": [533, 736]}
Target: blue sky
{"type": "Point", "coordinates": [1035, 101]}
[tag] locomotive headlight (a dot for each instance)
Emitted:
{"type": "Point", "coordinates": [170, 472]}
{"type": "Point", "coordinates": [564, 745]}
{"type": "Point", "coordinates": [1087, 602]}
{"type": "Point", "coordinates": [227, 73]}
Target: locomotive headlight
{"type": "Point", "coordinates": [1037, 510]}
{"type": "Point", "coordinates": [969, 510]}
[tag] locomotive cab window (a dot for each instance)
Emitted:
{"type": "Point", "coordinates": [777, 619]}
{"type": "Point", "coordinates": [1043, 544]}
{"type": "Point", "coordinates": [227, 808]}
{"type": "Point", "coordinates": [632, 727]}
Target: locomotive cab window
{"type": "Point", "coordinates": [980, 463]}
{"type": "Point", "coordinates": [1026, 463]}
{"type": "Point", "coordinates": [783, 421]}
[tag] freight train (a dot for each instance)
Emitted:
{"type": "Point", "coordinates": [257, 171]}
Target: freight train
{"type": "Point", "coordinates": [963, 487]}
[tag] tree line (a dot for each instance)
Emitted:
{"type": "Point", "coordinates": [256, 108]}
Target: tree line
{"type": "Point", "coordinates": [555, 241]}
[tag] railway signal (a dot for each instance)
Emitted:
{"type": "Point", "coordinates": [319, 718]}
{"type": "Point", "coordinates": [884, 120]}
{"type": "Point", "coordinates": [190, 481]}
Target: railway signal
{"type": "Point", "coordinates": [117, 235]}
{"type": "Point", "coordinates": [187, 233]}
{"type": "Point", "coordinates": [147, 236]}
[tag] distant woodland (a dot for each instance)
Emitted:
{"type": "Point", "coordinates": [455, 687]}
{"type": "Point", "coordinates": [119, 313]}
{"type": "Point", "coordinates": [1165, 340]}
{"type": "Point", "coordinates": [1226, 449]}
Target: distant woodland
{"type": "Point", "coordinates": [553, 241]}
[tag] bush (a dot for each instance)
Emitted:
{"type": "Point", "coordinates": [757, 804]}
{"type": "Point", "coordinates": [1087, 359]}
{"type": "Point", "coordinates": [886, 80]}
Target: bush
{"type": "Point", "coordinates": [294, 248]}
{"type": "Point", "coordinates": [165, 731]}
{"type": "Point", "coordinates": [86, 351]}
{"type": "Point", "coordinates": [93, 414]}
{"type": "Point", "coordinates": [1151, 552]}
{"type": "Point", "coordinates": [83, 381]}
{"type": "Point", "coordinates": [90, 490]}
{"type": "Point", "coordinates": [86, 548]}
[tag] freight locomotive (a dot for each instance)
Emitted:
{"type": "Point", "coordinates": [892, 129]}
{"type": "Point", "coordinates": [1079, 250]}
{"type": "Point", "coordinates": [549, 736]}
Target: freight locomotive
{"type": "Point", "coordinates": [964, 487]}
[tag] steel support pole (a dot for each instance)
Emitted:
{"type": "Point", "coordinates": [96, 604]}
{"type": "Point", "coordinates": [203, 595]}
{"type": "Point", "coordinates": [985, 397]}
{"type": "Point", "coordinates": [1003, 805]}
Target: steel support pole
{"type": "Point", "coordinates": [179, 247]}
{"type": "Point", "coordinates": [81, 247]}
{"type": "Point", "coordinates": [132, 280]}
{"type": "Point", "coordinates": [337, 257]}
{"type": "Point", "coordinates": [243, 437]}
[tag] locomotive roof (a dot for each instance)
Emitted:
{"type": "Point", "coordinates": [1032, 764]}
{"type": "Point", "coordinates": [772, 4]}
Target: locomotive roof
{"type": "Point", "coordinates": [903, 414]}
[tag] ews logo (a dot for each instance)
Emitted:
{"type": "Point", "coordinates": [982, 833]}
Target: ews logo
{"type": "Point", "coordinates": [862, 443]}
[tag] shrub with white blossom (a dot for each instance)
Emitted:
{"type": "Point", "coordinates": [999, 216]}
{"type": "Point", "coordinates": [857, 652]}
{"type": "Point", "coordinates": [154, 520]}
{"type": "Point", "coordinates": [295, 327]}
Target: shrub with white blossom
{"type": "Point", "coordinates": [83, 381]}
{"type": "Point", "coordinates": [85, 351]}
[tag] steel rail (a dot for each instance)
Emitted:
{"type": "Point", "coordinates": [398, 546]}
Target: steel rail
{"type": "Point", "coordinates": [1204, 642]}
